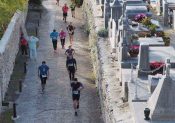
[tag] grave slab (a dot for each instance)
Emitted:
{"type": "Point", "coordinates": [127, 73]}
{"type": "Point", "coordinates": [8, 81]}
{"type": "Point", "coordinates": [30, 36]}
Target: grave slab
{"type": "Point", "coordinates": [161, 53]}
{"type": "Point", "coordinates": [152, 41]}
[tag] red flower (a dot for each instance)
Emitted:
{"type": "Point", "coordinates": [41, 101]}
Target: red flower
{"type": "Point", "coordinates": [156, 64]}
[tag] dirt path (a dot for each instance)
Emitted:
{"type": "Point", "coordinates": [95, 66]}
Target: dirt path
{"type": "Point", "coordinates": [55, 106]}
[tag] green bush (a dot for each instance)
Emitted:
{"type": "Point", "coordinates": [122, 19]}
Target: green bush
{"type": "Point", "coordinates": [103, 33]}
{"type": "Point", "coordinates": [7, 9]}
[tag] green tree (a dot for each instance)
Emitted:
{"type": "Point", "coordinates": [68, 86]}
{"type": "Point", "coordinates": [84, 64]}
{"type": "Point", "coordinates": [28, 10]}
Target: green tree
{"type": "Point", "coordinates": [7, 10]}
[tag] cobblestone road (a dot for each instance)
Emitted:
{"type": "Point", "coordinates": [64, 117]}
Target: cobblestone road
{"type": "Point", "coordinates": [55, 106]}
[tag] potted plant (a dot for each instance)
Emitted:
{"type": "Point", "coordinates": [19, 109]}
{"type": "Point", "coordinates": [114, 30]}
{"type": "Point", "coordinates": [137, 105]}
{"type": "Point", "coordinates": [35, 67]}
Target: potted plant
{"type": "Point", "coordinates": [166, 39]}
{"type": "Point", "coordinates": [139, 17]}
{"type": "Point", "coordinates": [134, 50]}
{"type": "Point", "coordinates": [103, 33]}
{"type": "Point", "coordinates": [152, 29]}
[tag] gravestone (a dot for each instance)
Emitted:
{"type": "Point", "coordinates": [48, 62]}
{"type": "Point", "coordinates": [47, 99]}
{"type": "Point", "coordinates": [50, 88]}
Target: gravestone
{"type": "Point", "coordinates": [107, 12]}
{"type": "Point", "coordinates": [161, 102]}
{"type": "Point", "coordinates": [143, 59]}
{"type": "Point", "coordinates": [165, 13]}
{"type": "Point", "coordinates": [116, 11]}
{"type": "Point", "coordinates": [173, 19]}
{"type": "Point", "coordinates": [110, 28]}
{"type": "Point", "coordinates": [113, 38]}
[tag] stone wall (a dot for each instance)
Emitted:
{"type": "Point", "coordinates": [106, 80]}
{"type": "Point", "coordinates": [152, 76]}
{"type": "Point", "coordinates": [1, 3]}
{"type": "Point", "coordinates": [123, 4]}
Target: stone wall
{"type": "Point", "coordinates": [9, 46]}
{"type": "Point", "coordinates": [105, 68]}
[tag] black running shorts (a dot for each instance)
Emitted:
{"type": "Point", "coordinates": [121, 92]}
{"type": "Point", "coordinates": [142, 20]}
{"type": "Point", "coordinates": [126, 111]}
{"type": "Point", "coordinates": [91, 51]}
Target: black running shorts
{"type": "Point", "coordinates": [64, 14]}
{"type": "Point", "coordinates": [76, 97]}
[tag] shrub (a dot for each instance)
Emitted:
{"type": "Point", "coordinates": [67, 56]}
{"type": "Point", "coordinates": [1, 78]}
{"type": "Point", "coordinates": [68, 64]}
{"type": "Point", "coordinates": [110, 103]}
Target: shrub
{"type": "Point", "coordinates": [7, 9]}
{"type": "Point", "coordinates": [103, 33]}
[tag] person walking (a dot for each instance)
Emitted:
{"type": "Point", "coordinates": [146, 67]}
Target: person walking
{"type": "Point", "coordinates": [32, 41]}
{"type": "Point", "coordinates": [43, 74]}
{"type": "Point", "coordinates": [23, 45]}
{"type": "Point", "coordinates": [54, 36]}
{"type": "Point", "coordinates": [65, 11]}
{"type": "Point", "coordinates": [76, 88]}
{"type": "Point", "coordinates": [72, 6]}
{"type": "Point", "coordinates": [62, 35]}
{"type": "Point", "coordinates": [71, 66]}
{"type": "Point", "coordinates": [70, 29]}
{"type": "Point", "coordinates": [70, 52]}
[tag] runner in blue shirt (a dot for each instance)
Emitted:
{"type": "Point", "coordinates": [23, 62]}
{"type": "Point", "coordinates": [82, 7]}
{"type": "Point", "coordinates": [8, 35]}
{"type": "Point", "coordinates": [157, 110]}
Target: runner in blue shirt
{"type": "Point", "coordinates": [43, 73]}
{"type": "Point", "coordinates": [54, 36]}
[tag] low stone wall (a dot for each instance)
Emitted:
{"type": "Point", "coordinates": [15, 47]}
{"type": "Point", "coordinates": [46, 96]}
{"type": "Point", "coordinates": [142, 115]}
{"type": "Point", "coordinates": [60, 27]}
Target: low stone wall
{"type": "Point", "coordinates": [9, 46]}
{"type": "Point", "coordinates": [105, 68]}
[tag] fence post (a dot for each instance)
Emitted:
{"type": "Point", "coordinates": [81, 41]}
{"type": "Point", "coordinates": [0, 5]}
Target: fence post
{"type": "Point", "coordinates": [14, 117]}
{"type": "Point", "coordinates": [25, 68]}
{"type": "Point", "coordinates": [20, 86]}
{"type": "Point", "coordinates": [14, 110]}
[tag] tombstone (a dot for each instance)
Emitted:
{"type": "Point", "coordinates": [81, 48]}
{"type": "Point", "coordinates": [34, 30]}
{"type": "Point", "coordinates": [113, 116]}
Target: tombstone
{"type": "Point", "coordinates": [106, 12]}
{"type": "Point", "coordinates": [113, 38]}
{"type": "Point", "coordinates": [165, 13]}
{"type": "Point", "coordinates": [116, 11]}
{"type": "Point", "coordinates": [123, 8]}
{"type": "Point", "coordinates": [110, 28]}
{"type": "Point", "coordinates": [161, 102]}
{"type": "Point", "coordinates": [173, 19]}
{"type": "Point", "coordinates": [143, 59]}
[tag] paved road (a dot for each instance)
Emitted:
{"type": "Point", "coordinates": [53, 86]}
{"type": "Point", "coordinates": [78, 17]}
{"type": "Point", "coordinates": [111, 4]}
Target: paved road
{"type": "Point", "coordinates": [55, 106]}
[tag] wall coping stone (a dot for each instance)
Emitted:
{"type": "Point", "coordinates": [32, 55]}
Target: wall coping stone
{"type": "Point", "coordinates": [6, 38]}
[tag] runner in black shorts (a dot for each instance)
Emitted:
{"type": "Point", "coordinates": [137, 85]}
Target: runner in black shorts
{"type": "Point", "coordinates": [43, 74]}
{"type": "Point", "coordinates": [70, 52]}
{"type": "Point", "coordinates": [76, 88]}
{"type": "Point", "coordinates": [71, 67]}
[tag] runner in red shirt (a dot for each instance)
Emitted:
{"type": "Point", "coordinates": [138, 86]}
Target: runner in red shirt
{"type": "Point", "coordinates": [65, 10]}
{"type": "Point", "coordinates": [23, 45]}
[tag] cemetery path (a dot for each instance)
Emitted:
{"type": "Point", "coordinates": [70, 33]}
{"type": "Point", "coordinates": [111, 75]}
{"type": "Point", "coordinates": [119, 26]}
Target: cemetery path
{"type": "Point", "coordinates": [55, 105]}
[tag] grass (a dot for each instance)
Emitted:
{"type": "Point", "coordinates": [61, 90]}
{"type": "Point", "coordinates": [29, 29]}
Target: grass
{"type": "Point", "coordinates": [5, 117]}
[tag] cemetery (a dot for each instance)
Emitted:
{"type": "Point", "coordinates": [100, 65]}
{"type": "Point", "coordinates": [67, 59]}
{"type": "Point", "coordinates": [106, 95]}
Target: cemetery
{"type": "Point", "coordinates": [146, 61]}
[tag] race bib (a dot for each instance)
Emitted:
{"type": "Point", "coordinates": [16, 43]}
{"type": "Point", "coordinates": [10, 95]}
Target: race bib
{"type": "Point", "coordinates": [43, 76]}
{"type": "Point", "coordinates": [75, 92]}
{"type": "Point", "coordinates": [70, 65]}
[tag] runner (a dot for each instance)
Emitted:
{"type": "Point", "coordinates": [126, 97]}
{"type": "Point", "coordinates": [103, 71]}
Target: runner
{"type": "Point", "coordinates": [71, 67]}
{"type": "Point", "coordinates": [70, 52]}
{"type": "Point", "coordinates": [62, 38]}
{"type": "Point", "coordinates": [72, 6]}
{"type": "Point", "coordinates": [57, 2]}
{"type": "Point", "coordinates": [54, 36]}
{"type": "Point", "coordinates": [65, 10]}
{"type": "Point", "coordinates": [70, 29]}
{"type": "Point", "coordinates": [23, 45]}
{"type": "Point", "coordinates": [43, 73]}
{"type": "Point", "coordinates": [76, 88]}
